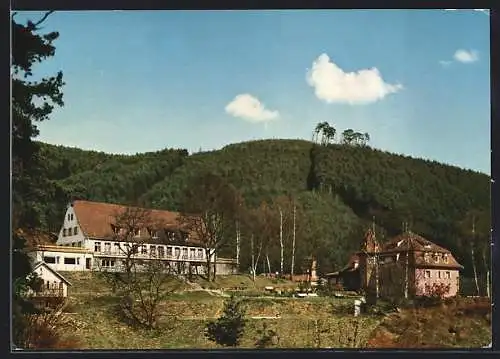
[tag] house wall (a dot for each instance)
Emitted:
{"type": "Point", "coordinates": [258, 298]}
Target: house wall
{"type": "Point", "coordinates": [59, 259]}
{"type": "Point", "coordinates": [115, 248]}
{"type": "Point", "coordinates": [48, 277]}
{"type": "Point", "coordinates": [436, 276]}
{"type": "Point", "coordinates": [69, 224]}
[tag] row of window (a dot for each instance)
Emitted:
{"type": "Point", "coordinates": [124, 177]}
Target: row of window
{"type": "Point", "coordinates": [72, 244]}
{"type": "Point", "coordinates": [440, 274]}
{"type": "Point", "coordinates": [57, 260]}
{"type": "Point", "coordinates": [171, 235]}
{"type": "Point", "coordinates": [70, 231]}
{"type": "Point", "coordinates": [70, 216]}
{"type": "Point", "coordinates": [436, 257]}
{"type": "Point", "coordinates": [154, 250]}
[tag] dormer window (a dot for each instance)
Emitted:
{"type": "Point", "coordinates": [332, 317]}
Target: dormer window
{"type": "Point", "coordinates": [137, 232]}
{"type": "Point", "coordinates": [153, 233]}
{"type": "Point", "coordinates": [115, 229]}
{"type": "Point", "coordinates": [171, 236]}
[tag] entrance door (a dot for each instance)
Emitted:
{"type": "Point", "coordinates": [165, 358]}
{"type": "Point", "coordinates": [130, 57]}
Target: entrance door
{"type": "Point", "coordinates": [87, 263]}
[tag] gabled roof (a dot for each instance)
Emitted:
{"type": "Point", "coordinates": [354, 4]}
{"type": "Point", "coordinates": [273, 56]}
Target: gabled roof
{"type": "Point", "coordinates": [96, 220]}
{"type": "Point", "coordinates": [45, 265]}
{"type": "Point", "coordinates": [413, 242]}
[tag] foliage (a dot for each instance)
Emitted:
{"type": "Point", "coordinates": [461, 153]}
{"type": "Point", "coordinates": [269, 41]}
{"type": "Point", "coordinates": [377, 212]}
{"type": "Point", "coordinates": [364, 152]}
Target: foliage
{"type": "Point", "coordinates": [141, 285]}
{"type": "Point", "coordinates": [33, 100]}
{"type": "Point", "coordinates": [228, 329]}
{"type": "Point", "coordinates": [267, 337]}
{"type": "Point", "coordinates": [337, 189]}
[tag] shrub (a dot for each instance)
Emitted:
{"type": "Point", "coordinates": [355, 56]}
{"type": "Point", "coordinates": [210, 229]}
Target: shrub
{"type": "Point", "coordinates": [229, 328]}
{"type": "Point", "coordinates": [269, 337]}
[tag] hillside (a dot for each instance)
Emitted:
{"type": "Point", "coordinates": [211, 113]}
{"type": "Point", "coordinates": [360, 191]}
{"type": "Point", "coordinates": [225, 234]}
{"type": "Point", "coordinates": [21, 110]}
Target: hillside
{"type": "Point", "coordinates": [338, 188]}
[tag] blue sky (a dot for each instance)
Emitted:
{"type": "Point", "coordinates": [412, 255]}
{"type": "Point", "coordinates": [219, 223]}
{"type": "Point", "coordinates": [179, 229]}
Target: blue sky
{"type": "Point", "coordinates": [418, 81]}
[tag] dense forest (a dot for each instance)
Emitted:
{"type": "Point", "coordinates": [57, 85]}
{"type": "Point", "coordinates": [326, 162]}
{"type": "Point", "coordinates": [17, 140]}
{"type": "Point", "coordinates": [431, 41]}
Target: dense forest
{"type": "Point", "coordinates": [338, 190]}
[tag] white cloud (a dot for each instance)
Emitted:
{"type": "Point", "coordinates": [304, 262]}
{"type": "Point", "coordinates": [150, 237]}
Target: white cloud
{"type": "Point", "coordinates": [466, 56]}
{"type": "Point", "coordinates": [250, 108]}
{"type": "Point", "coordinates": [332, 84]}
{"type": "Point", "coordinates": [484, 11]}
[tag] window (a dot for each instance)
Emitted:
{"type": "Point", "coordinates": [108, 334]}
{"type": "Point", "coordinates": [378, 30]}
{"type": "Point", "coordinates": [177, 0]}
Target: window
{"type": "Point", "coordinates": [177, 252]}
{"type": "Point", "coordinates": [49, 259]}
{"type": "Point", "coordinates": [117, 248]}
{"type": "Point", "coordinates": [184, 253]}
{"type": "Point", "coordinates": [78, 261]}
{"type": "Point", "coordinates": [78, 244]}
{"type": "Point", "coordinates": [445, 258]}
{"type": "Point", "coordinates": [64, 232]}
{"type": "Point", "coordinates": [448, 275]}
{"type": "Point", "coordinates": [192, 253]}
{"type": "Point", "coordinates": [152, 251]}
{"type": "Point", "coordinates": [69, 217]}
{"type": "Point", "coordinates": [169, 251]}
{"type": "Point", "coordinates": [439, 274]}
{"type": "Point", "coordinates": [161, 251]}
{"type": "Point", "coordinates": [200, 253]}
{"type": "Point", "coordinates": [97, 247]}
{"type": "Point", "coordinates": [69, 231]}
{"type": "Point", "coordinates": [144, 249]}
{"type": "Point", "coordinates": [153, 233]}
{"type": "Point", "coordinates": [107, 247]}
{"type": "Point", "coordinates": [171, 236]}
{"type": "Point", "coordinates": [57, 260]}
{"type": "Point", "coordinates": [69, 261]}
{"type": "Point", "coordinates": [75, 230]}
{"type": "Point", "coordinates": [427, 274]}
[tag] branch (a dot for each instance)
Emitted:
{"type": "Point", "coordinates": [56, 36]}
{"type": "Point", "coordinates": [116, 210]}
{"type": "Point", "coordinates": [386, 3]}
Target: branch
{"type": "Point", "coordinates": [47, 14]}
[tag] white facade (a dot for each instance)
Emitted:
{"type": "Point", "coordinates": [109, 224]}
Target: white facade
{"type": "Point", "coordinates": [74, 251]}
{"type": "Point", "coordinates": [71, 233]}
{"type": "Point", "coordinates": [53, 283]}
{"type": "Point", "coordinates": [63, 258]}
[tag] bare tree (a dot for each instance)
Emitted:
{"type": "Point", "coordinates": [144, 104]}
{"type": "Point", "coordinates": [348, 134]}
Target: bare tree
{"type": "Point", "coordinates": [257, 225]}
{"type": "Point", "coordinates": [142, 281]}
{"type": "Point", "coordinates": [208, 210]}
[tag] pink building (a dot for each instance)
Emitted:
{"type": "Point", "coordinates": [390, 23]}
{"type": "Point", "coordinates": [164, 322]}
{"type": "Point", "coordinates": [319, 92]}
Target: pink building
{"type": "Point", "coordinates": [407, 265]}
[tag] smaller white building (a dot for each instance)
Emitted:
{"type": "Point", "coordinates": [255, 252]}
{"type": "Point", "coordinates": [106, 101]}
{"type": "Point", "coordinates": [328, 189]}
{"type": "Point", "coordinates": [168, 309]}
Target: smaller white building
{"type": "Point", "coordinates": [54, 284]}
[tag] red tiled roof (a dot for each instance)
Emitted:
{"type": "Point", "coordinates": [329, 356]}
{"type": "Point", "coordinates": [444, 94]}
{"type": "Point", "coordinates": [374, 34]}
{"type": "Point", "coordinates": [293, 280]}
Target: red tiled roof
{"type": "Point", "coordinates": [96, 218]}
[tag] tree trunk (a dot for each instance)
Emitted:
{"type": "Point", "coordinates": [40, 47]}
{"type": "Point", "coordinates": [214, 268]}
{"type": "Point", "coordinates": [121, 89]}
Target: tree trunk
{"type": "Point", "coordinates": [253, 258]}
{"type": "Point", "coordinates": [208, 265]}
{"type": "Point", "coordinates": [474, 268]}
{"type": "Point", "coordinates": [268, 264]}
{"type": "Point", "coordinates": [293, 244]}
{"type": "Point", "coordinates": [281, 242]}
{"type": "Point", "coordinates": [215, 265]}
{"type": "Point", "coordinates": [406, 274]}
{"type": "Point", "coordinates": [487, 269]}
{"type": "Point", "coordinates": [238, 244]}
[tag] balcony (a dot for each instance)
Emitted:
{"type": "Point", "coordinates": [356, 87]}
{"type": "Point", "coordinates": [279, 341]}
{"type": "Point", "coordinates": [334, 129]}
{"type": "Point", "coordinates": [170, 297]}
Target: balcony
{"type": "Point", "coordinates": [57, 292]}
{"type": "Point", "coordinates": [172, 257]}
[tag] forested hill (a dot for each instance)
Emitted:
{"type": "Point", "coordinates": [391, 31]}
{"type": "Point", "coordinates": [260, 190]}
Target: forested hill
{"type": "Point", "coordinates": [339, 189]}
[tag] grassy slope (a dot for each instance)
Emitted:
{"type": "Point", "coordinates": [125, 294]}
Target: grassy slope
{"type": "Point", "coordinates": [465, 323]}
{"type": "Point", "coordinates": [301, 322]}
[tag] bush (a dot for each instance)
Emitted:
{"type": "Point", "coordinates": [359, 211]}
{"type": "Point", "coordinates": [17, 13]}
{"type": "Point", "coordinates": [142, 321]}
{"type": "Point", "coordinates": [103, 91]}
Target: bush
{"type": "Point", "coordinates": [229, 328]}
{"type": "Point", "coordinates": [269, 337]}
